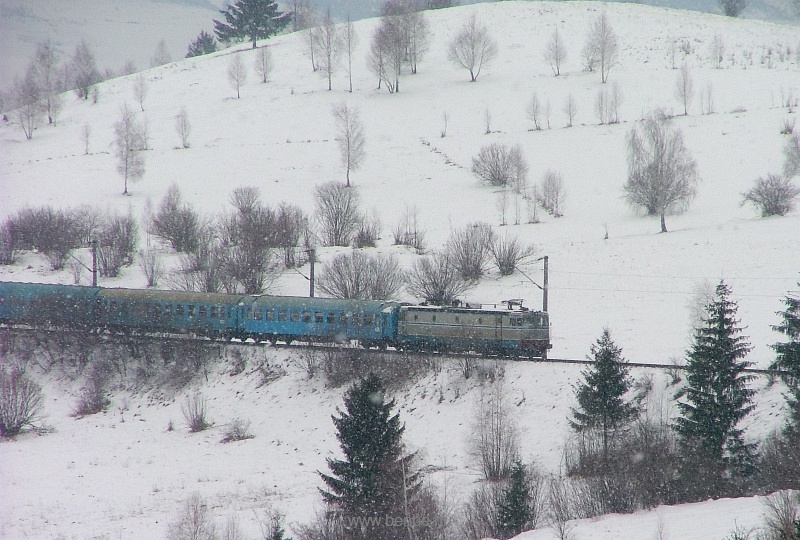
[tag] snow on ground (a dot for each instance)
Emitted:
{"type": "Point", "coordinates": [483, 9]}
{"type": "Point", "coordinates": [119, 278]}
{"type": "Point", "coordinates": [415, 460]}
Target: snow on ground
{"type": "Point", "coordinates": [102, 475]}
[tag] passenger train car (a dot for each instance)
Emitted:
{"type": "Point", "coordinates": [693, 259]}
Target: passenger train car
{"type": "Point", "coordinates": [511, 330]}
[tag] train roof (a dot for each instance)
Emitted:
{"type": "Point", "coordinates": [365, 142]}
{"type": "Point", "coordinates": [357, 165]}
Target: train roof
{"type": "Point", "coordinates": [456, 309]}
{"type": "Point", "coordinates": [23, 287]}
{"type": "Point", "coordinates": [322, 304]}
{"type": "Point", "coordinates": [174, 296]}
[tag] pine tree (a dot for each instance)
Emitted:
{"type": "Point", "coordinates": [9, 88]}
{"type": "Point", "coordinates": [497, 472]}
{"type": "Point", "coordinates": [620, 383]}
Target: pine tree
{"type": "Point", "coordinates": [253, 19]}
{"type": "Point", "coordinates": [601, 402]}
{"type": "Point", "coordinates": [204, 43]}
{"type": "Point", "coordinates": [717, 399]}
{"type": "Point", "coordinates": [514, 513]}
{"type": "Point", "coordinates": [788, 357]}
{"type": "Point", "coordinates": [375, 479]}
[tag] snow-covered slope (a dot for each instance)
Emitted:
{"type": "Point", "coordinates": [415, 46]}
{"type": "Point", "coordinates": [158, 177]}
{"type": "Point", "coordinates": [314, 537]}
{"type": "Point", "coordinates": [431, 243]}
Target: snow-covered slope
{"type": "Point", "coordinates": [103, 475]}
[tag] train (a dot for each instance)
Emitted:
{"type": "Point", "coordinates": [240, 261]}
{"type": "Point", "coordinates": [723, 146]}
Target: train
{"type": "Point", "coordinates": [508, 328]}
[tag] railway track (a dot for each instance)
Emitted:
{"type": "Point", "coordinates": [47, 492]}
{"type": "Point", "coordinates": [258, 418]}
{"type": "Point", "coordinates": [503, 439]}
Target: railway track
{"type": "Point", "coordinates": [125, 339]}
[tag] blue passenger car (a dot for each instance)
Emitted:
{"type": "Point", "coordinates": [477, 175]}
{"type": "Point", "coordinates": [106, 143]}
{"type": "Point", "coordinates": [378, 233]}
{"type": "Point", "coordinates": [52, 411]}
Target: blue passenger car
{"type": "Point", "coordinates": [210, 314]}
{"type": "Point", "coordinates": [281, 318]}
{"type": "Point", "coordinates": [39, 304]}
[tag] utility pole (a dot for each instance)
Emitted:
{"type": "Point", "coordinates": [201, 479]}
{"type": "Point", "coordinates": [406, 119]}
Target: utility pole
{"type": "Point", "coordinates": [94, 263]}
{"type": "Point", "coordinates": [545, 287]}
{"type": "Point", "coordinates": [311, 253]}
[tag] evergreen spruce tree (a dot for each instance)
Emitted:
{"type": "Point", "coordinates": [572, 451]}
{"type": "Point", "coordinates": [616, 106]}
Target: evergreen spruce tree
{"type": "Point", "coordinates": [714, 455]}
{"type": "Point", "coordinates": [204, 43]}
{"type": "Point", "coordinates": [514, 513]}
{"type": "Point", "coordinates": [375, 480]}
{"type": "Point", "coordinates": [788, 358]}
{"type": "Point", "coordinates": [253, 19]}
{"type": "Point", "coordinates": [601, 402]}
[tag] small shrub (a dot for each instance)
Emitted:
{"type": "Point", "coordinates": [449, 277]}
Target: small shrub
{"type": "Point", "coordinates": [153, 268]}
{"type": "Point", "coordinates": [20, 402]}
{"type": "Point", "coordinates": [369, 232]}
{"type": "Point", "coordinates": [408, 232]}
{"type": "Point", "coordinates": [788, 126]}
{"type": "Point", "coordinates": [237, 430]}
{"type": "Point", "coordinates": [469, 249]}
{"type": "Point", "coordinates": [362, 276]}
{"type": "Point", "coordinates": [435, 279]}
{"type": "Point", "coordinates": [508, 252]}
{"type": "Point", "coordinates": [7, 247]}
{"type": "Point", "coordinates": [781, 514]}
{"type": "Point", "coordinates": [774, 195]}
{"type": "Point", "coordinates": [116, 244]}
{"type": "Point", "coordinates": [49, 231]}
{"type": "Point", "coordinates": [195, 413]}
{"type": "Point", "coordinates": [177, 223]}
{"type": "Point", "coordinates": [93, 397]}
{"type": "Point", "coordinates": [194, 521]}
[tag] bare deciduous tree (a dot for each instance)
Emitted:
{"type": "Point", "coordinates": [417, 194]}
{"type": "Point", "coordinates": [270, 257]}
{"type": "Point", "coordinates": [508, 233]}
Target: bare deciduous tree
{"type": "Point", "coordinates": [337, 213]}
{"type": "Point", "coordinates": [176, 222]}
{"type": "Point", "coordinates": [263, 63]}
{"type": "Point", "coordinates": [388, 52]}
{"type": "Point", "coordinates": [601, 46]}
{"type": "Point", "coordinates": [551, 194]}
{"type": "Point", "coordinates": [684, 87]}
{"type": "Point", "coordinates": [237, 73]}
{"type": "Point", "coordinates": [662, 176]}
{"type": "Point", "coordinates": [328, 46]}
{"type": "Point", "coordinates": [140, 89]}
{"type": "Point", "coordinates": [408, 231]}
{"type": "Point", "coordinates": [534, 111]}
{"type": "Point", "coordinates": [555, 52]}
{"type": "Point", "coordinates": [773, 195]}
{"type": "Point", "coordinates": [86, 131]}
{"type": "Point", "coordinates": [182, 127]}
{"type": "Point", "coordinates": [436, 280]}
{"type": "Point", "coordinates": [130, 161]}
{"type": "Point", "coordinates": [791, 153]}
{"type": "Point", "coordinates": [500, 166]}
{"type": "Point", "coordinates": [350, 136]}
{"type": "Point", "coordinates": [362, 276]}
{"type": "Point", "coordinates": [49, 80]}
{"type": "Point", "coordinates": [570, 109]}
{"type": "Point", "coordinates": [472, 47]}
{"type": "Point", "coordinates": [84, 70]}
{"type": "Point", "coordinates": [349, 43]}
{"type": "Point", "coordinates": [418, 36]}
{"type": "Point", "coordinates": [508, 252]}
{"type": "Point", "coordinates": [161, 55]}
{"type": "Point", "coordinates": [717, 50]}
{"type": "Point", "coordinates": [469, 249]}
{"type": "Point", "coordinates": [27, 98]}
{"type": "Point", "coordinates": [495, 435]}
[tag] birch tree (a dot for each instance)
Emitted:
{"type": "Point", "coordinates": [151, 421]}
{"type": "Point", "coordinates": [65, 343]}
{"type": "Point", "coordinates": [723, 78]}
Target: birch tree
{"type": "Point", "coordinates": [350, 135]}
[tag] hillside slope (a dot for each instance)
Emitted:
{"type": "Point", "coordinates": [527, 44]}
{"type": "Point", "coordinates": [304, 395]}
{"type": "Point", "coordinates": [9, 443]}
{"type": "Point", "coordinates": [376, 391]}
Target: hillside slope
{"type": "Point", "coordinates": [123, 474]}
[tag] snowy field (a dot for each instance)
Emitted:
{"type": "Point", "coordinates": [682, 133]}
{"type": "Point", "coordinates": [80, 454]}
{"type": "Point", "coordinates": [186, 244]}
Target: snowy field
{"type": "Point", "coordinates": [123, 475]}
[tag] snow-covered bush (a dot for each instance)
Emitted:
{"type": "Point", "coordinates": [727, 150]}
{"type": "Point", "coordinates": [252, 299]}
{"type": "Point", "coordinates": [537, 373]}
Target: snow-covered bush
{"type": "Point", "coordinates": [20, 401]}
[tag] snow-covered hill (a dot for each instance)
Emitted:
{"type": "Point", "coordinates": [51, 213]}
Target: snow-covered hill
{"type": "Point", "coordinates": [122, 474]}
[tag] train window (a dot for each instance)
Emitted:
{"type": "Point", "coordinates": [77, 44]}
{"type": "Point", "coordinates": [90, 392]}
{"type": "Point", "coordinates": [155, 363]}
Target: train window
{"type": "Point", "coordinates": [294, 316]}
{"type": "Point", "coordinates": [480, 320]}
{"type": "Point", "coordinates": [214, 312]}
{"type": "Point", "coordinates": [191, 310]}
{"type": "Point", "coordinates": [319, 317]}
{"type": "Point", "coordinates": [433, 318]}
{"type": "Point", "coordinates": [306, 316]}
{"type": "Point", "coordinates": [368, 319]}
{"type": "Point", "coordinates": [270, 315]}
{"type": "Point", "coordinates": [282, 316]}
{"type": "Point", "coordinates": [203, 311]}
{"type": "Point", "coordinates": [168, 309]}
{"type": "Point", "coordinates": [356, 320]}
{"type": "Point", "coordinates": [157, 310]}
{"type": "Point", "coordinates": [458, 319]}
{"type": "Point", "coordinates": [416, 317]}
{"type": "Point", "coordinates": [258, 314]}
{"type": "Point", "coordinates": [331, 317]}
{"type": "Point", "coordinates": [179, 309]}
{"type": "Point", "coordinates": [2, 300]}
{"type": "Point", "coordinates": [342, 318]}
{"type": "Point", "coordinates": [113, 305]}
